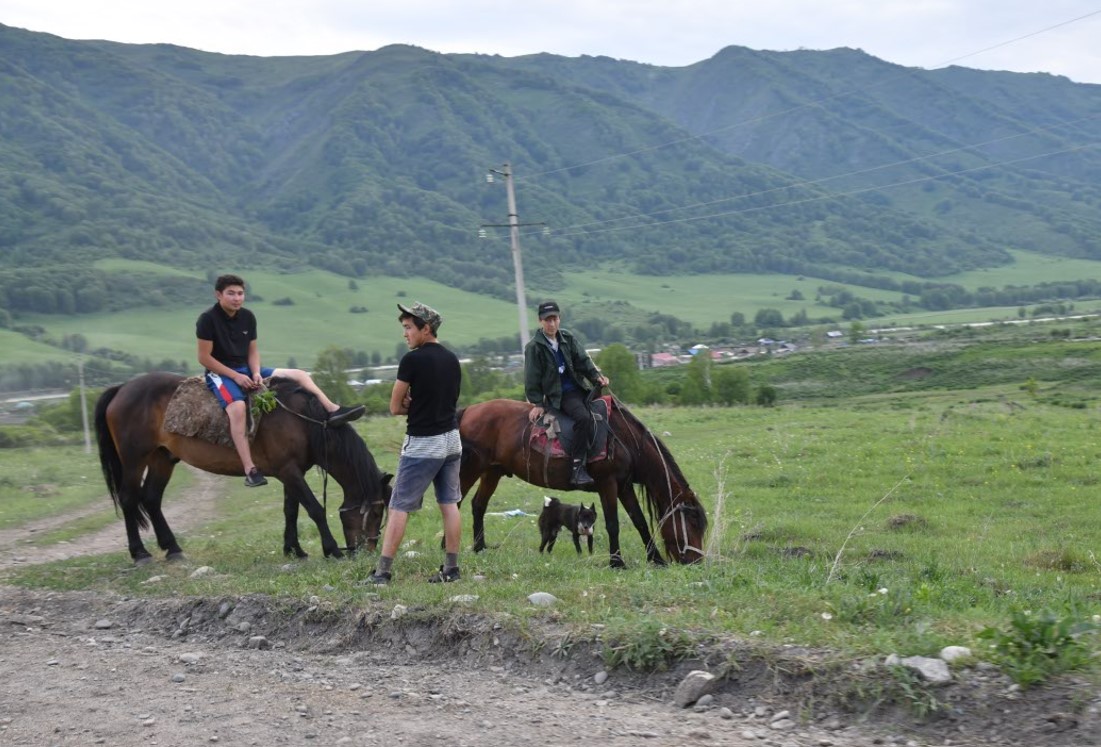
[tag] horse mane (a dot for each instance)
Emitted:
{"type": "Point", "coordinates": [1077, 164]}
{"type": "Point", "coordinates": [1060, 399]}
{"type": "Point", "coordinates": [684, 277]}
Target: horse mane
{"type": "Point", "coordinates": [329, 445]}
{"type": "Point", "coordinates": [649, 473]}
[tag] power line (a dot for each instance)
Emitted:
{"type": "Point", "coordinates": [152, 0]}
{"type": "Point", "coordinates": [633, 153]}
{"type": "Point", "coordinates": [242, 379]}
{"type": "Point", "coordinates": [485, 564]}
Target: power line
{"type": "Point", "coordinates": [822, 180]}
{"type": "Point", "coordinates": [816, 102]}
{"type": "Point", "coordinates": [833, 195]}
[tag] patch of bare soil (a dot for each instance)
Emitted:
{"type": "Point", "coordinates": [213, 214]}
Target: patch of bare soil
{"type": "Point", "coordinates": [89, 668]}
{"type": "Point", "coordinates": [92, 668]}
{"type": "Point", "coordinates": [196, 506]}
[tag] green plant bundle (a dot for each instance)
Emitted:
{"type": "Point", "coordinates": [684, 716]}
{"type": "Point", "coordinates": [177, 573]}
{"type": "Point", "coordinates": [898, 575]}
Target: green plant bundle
{"type": "Point", "coordinates": [1038, 645]}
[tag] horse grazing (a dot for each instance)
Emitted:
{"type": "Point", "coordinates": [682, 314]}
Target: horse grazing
{"type": "Point", "coordinates": [496, 437]}
{"type": "Point", "coordinates": [138, 455]}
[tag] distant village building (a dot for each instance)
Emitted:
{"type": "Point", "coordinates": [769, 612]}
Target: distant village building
{"type": "Point", "coordinates": [661, 360]}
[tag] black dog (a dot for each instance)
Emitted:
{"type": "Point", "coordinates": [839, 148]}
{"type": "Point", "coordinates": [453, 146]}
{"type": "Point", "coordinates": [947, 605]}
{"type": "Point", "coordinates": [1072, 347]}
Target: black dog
{"type": "Point", "coordinates": [556, 514]}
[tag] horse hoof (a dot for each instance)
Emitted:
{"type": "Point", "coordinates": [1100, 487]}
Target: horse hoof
{"type": "Point", "coordinates": [175, 557]}
{"type": "Point", "coordinates": [143, 560]}
{"type": "Point", "coordinates": [617, 563]}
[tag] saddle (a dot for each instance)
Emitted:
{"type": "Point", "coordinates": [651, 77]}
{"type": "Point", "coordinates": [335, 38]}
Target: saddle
{"type": "Point", "coordinates": [194, 412]}
{"type": "Point", "coordinates": [552, 434]}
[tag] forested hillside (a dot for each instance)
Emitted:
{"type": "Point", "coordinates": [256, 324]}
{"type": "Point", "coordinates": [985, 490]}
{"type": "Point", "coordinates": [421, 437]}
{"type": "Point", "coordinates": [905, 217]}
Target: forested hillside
{"type": "Point", "coordinates": [833, 164]}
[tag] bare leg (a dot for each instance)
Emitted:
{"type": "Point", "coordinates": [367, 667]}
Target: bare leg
{"type": "Point", "coordinates": [395, 530]}
{"type": "Point", "coordinates": [237, 426]}
{"type": "Point", "coordinates": [305, 381]}
{"type": "Point", "coordinates": [452, 527]}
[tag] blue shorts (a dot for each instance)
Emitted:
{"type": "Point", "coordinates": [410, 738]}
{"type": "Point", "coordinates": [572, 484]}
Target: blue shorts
{"type": "Point", "coordinates": [226, 390]}
{"type": "Point", "coordinates": [415, 474]}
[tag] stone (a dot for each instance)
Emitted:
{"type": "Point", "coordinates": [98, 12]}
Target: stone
{"type": "Point", "coordinates": [934, 671]}
{"type": "Point", "coordinates": [951, 653]}
{"type": "Point", "coordinates": [695, 684]}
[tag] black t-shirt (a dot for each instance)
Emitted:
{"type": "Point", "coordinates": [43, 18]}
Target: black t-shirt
{"type": "Point", "coordinates": [231, 335]}
{"type": "Point", "coordinates": [434, 376]}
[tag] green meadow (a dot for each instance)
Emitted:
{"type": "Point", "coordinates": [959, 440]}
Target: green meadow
{"type": "Point", "coordinates": [898, 522]}
{"type": "Point", "coordinates": [319, 307]}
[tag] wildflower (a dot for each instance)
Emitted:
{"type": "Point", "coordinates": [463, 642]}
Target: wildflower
{"type": "Point", "coordinates": [827, 616]}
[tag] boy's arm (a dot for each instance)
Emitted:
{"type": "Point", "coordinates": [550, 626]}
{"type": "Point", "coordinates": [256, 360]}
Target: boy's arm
{"type": "Point", "coordinates": [210, 363]}
{"type": "Point", "coordinates": [399, 398]}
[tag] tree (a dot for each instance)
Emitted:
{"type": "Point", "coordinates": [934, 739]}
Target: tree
{"type": "Point", "coordinates": [730, 385]}
{"type": "Point", "coordinates": [856, 331]}
{"type": "Point", "coordinates": [618, 364]}
{"type": "Point", "coordinates": [696, 389]}
{"type": "Point", "coordinates": [330, 374]}
{"type": "Point", "coordinates": [767, 318]}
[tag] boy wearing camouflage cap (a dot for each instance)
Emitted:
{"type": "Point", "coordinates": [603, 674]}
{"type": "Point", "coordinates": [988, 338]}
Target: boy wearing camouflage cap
{"type": "Point", "coordinates": [427, 392]}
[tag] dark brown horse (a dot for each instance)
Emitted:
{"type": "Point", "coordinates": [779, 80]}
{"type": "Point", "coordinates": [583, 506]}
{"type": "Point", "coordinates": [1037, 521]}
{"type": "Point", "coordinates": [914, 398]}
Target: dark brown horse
{"type": "Point", "coordinates": [496, 443]}
{"type": "Point", "coordinates": [137, 456]}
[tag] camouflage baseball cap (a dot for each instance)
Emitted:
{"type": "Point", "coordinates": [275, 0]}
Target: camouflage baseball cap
{"type": "Point", "coordinates": [426, 314]}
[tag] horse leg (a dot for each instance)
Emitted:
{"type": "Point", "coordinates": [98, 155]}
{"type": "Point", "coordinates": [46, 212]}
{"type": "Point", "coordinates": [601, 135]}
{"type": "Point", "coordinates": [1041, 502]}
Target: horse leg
{"type": "Point", "coordinates": [630, 502]}
{"type": "Point", "coordinates": [296, 484]}
{"type": "Point", "coordinates": [290, 526]}
{"type": "Point", "coordinates": [486, 486]}
{"type": "Point", "coordinates": [611, 522]}
{"type": "Point", "coordinates": [129, 500]}
{"type": "Point", "coordinates": [158, 474]}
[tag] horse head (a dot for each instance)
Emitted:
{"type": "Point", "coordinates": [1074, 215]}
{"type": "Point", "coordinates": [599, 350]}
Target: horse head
{"type": "Point", "coordinates": [683, 527]}
{"type": "Point", "coordinates": [363, 522]}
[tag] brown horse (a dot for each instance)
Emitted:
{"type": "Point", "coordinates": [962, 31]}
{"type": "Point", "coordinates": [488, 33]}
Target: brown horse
{"type": "Point", "coordinates": [496, 443]}
{"type": "Point", "coordinates": [137, 456]}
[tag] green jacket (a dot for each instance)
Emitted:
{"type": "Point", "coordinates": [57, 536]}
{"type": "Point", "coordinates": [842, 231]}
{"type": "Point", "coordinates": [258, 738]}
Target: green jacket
{"type": "Point", "coordinates": [542, 386]}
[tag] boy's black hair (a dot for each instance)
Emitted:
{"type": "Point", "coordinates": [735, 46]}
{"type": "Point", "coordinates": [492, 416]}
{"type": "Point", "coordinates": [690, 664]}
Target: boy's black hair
{"type": "Point", "coordinates": [224, 281]}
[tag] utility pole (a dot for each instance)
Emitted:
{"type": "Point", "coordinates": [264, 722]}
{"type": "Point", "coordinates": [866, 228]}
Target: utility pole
{"type": "Point", "coordinates": [84, 406]}
{"type": "Point", "coordinates": [514, 234]}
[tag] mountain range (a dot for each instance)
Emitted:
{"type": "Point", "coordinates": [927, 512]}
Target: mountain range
{"type": "Point", "coordinates": [824, 163]}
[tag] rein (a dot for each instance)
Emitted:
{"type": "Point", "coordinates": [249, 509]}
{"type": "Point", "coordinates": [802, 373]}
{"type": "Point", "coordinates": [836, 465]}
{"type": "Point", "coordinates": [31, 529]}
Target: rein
{"type": "Point", "coordinates": [325, 440]}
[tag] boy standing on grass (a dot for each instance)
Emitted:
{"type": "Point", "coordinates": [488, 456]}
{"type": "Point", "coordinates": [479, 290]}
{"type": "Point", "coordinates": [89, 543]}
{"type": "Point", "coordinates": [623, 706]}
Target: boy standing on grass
{"type": "Point", "coordinates": [427, 392]}
{"type": "Point", "coordinates": [227, 350]}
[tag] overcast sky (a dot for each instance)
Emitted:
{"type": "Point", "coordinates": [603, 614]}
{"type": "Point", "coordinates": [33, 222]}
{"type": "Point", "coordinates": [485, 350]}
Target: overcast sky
{"type": "Point", "coordinates": [1055, 36]}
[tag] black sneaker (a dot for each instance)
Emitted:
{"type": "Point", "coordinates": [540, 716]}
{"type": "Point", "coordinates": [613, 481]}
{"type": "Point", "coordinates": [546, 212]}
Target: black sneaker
{"type": "Point", "coordinates": [444, 577]}
{"type": "Point", "coordinates": [255, 478]}
{"type": "Point", "coordinates": [343, 415]}
{"type": "Point", "coordinates": [378, 579]}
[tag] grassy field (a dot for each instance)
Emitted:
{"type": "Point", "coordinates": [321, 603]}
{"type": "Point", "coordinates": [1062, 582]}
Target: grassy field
{"type": "Point", "coordinates": [897, 522]}
{"type": "Point", "coordinates": [320, 315]}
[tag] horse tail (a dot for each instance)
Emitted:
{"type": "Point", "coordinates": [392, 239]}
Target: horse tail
{"type": "Point", "coordinates": [109, 460]}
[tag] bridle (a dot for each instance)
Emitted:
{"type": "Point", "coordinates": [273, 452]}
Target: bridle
{"type": "Point", "coordinates": [364, 509]}
{"type": "Point", "coordinates": [677, 514]}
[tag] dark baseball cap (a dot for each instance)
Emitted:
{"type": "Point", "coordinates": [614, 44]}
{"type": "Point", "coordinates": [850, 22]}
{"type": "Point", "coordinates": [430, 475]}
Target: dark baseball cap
{"type": "Point", "coordinates": [548, 308]}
